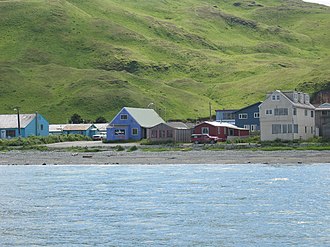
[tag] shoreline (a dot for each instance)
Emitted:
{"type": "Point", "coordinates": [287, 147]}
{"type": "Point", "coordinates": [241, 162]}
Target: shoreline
{"type": "Point", "coordinates": [138, 157]}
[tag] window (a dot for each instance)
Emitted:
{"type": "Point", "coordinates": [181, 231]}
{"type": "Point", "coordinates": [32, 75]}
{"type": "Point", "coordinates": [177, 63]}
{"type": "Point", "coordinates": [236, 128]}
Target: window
{"type": "Point", "coordinates": [134, 131]}
{"type": "Point", "coordinates": [281, 111]}
{"type": "Point", "coordinates": [312, 113]}
{"type": "Point", "coordinates": [284, 128]}
{"type": "Point", "coordinates": [294, 111]}
{"type": "Point", "coordinates": [169, 133]}
{"type": "Point", "coordinates": [305, 129]}
{"type": "Point", "coordinates": [154, 133]}
{"type": "Point", "coordinates": [219, 130]}
{"type": "Point", "coordinates": [276, 128]}
{"type": "Point", "coordinates": [10, 133]}
{"type": "Point", "coordinates": [123, 117]}
{"type": "Point", "coordinates": [162, 133]}
{"type": "Point", "coordinates": [295, 128]}
{"type": "Point", "coordinates": [289, 128]}
{"type": "Point", "coordinates": [275, 97]}
{"type": "Point", "coordinates": [306, 112]}
{"type": "Point", "coordinates": [247, 127]}
{"type": "Point", "coordinates": [269, 112]}
{"type": "Point", "coordinates": [231, 132]}
{"type": "Point", "coordinates": [205, 130]}
{"type": "Point", "coordinates": [256, 115]}
{"type": "Point", "coordinates": [120, 132]}
{"type": "Point", "coordinates": [324, 113]}
{"type": "Point", "coordinates": [41, 127]}
{"type": "Point", "coordinates": [243, 116]}
{"type": "Point", "coordinates": [253, 127]}
{"type": "Point", "coordinates": [227, 115]}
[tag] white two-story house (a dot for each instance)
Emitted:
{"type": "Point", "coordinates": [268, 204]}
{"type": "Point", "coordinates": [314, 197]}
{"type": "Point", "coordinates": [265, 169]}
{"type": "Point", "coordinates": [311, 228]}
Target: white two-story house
{"type": "Point", "coordinates": [286, 116]}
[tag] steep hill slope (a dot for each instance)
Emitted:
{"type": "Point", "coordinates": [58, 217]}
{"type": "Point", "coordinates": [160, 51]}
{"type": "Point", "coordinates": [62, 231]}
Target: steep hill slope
{"type": "Point", "coordinates": [62, 57]}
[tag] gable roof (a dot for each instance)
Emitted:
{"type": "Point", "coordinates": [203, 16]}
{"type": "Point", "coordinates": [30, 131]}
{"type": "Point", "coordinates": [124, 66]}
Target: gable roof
{"type": "Point", "coordinates": [179, 125]}
{"type": "Point", "coordinates": [242, 109]}
{"type": "Point", "coordinates": [10, 121]}
{"type": "Point", "coordinates": [222, 124]}
{"type": "Point", "coordinates": [101, 126]}
{"type": "Point", "coordinates": [78, 127]}
{"type": "Point", "coordinates": [146, 118]}
{"type": "Point", "coordinates": [285, 95]}
{"type": "Point", "coordinates": [323, 107]}
{"type": "Point", "coordinates": [56, 127]}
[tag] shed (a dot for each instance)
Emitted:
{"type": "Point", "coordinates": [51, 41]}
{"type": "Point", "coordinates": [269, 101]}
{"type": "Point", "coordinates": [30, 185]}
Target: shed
{"type": "Point", "coordinates": [80, 129]}
{"type": "Point", "coordinates": [171, 131]}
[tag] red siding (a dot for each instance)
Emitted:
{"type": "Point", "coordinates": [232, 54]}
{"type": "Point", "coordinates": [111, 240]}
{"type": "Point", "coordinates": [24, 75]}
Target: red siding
{"type": "Point", "coordinates": [224, 131]}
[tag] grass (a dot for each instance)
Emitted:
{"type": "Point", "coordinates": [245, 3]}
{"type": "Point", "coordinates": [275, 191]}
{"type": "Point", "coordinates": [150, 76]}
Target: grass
{"type": "Point", "coordinates": [94, 57]}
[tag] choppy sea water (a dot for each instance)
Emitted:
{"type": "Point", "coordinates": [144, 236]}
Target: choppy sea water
{"type": "Point", "coordinates": [165, 205]}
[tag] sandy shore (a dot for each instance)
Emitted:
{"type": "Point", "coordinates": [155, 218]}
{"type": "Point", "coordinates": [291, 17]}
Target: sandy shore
{"type": "Point", "coordinates": [169, 157]}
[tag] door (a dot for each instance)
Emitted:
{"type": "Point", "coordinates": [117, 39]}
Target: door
{"type": "Point", "coordinates": [3, 134]}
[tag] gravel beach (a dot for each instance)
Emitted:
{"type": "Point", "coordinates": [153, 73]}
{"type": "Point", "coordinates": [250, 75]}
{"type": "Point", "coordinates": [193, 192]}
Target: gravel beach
{"type": "Point", "coordinates": [110, 157]}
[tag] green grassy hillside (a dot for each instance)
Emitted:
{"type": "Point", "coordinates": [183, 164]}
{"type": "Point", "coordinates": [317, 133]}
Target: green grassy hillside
{"type": "Point", "coordinates": [62, 57]}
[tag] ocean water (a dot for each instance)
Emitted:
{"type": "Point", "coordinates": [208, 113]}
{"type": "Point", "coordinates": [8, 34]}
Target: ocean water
{"type": "Point", "coordinates": [165, 205]}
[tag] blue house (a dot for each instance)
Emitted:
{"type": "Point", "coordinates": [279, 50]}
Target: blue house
{"type": "Point", "coordinates": [80, 129]}
{"type": "Point", "coordinates": [132, 124]}
{"type": "Point", "coordinates": [225, 116]}
{"type": "Point", "coordinates": [30, 125]}
{"type": "Point", "coordinates": [248, 117]}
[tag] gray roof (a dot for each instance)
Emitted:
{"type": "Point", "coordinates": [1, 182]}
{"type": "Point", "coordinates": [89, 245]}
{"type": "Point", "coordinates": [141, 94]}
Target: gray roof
{"type": "Point", "coordinates": [10, 121]}
{"type": "Point", "coordinates": [101, 126]}
{"type": "Point", "coordinates": [77, 127]}
{"type": "Point", "coordinates": [179, 125]}
{"type": "Point", "coordinates": [324, 106]}
{"type": "Point", "coordinates": [146, 118]}
{"type": "Point", "coordinates": [56, 127]}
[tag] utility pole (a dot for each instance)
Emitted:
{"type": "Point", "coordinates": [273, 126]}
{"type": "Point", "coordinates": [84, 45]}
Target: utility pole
{"type": "Point", "coordinates": [18, 121]}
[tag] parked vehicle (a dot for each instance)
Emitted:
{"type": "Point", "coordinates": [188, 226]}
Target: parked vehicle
{"type": "Point", "coordinates": [204, 138]}
{"type": "Point", "coordinates": [99, 137]}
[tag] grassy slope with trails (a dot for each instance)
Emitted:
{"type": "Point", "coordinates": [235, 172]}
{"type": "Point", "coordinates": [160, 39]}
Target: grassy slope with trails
{"type": "Point", "coordinates": [94, 57]}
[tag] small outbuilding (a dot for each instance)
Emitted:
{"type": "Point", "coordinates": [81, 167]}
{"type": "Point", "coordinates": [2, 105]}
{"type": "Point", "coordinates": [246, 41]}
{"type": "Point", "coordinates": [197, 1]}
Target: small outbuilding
{"type": "Point", "coordinates": [322, 120]}
{"type": "Point", "coordinates": [171, 131]}
{"type": "Point", "coordinates": [80, 129]}
{"type": "Point", "coordinates": [24, 126]}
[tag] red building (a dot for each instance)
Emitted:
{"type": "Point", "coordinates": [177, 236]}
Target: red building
{"type": "Point", "coordinates": [222, 130]}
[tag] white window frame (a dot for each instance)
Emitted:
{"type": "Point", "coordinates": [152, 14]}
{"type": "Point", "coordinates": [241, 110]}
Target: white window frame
{"type": "Point", "coordinates": [269, 112]}
{"type": "Point", "coordinates": [275, 97]}
{"type": "Point", "coordinates": [253, 127]}
{"type": "Point", "coordinates": [281, 112]}
{"type": "Point", "coordinates": [276, 129]}
{"type": "Point", "coordinates": [123, 116]}
{"type": "Point", "coordinates": [247, 126]}
{"type": "Point", "coordinates": [137, 131]}
{"type": "Point", "coordinates": [243, 116]}
{"type": "Point", "coordinates": [256, 115]}
{"type": "Point", "coordinates": [205, 130]}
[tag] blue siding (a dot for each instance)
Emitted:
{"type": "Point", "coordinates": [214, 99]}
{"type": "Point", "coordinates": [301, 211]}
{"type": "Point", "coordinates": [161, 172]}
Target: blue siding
{"type": "Point", "coordinates": [37, 127]}
{"type": "Point", "coordinates": [251, 119]}
{"type": "Point", "coordinates": [222, 116]}
{"type": "Point", "coordinates": [122, 129]}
